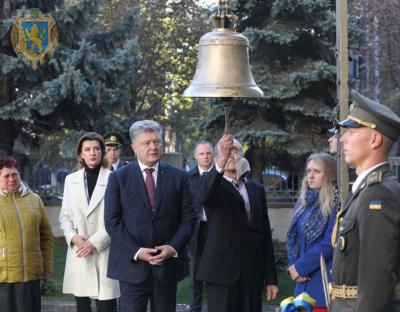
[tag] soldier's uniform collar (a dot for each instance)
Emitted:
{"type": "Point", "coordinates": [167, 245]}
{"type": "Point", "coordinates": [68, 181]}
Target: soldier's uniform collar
{"type": "Point", "coordinates": [362, 176]}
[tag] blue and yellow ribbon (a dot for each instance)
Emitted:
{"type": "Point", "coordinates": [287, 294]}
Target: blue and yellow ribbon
{"type": "Point", "coordinates": [287, 305]}
{"type": "Point", "coordinates": [303, 302]}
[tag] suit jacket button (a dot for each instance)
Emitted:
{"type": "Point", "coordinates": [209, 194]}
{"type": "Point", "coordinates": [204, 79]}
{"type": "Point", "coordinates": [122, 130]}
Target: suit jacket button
{"type": "Point", "coordinates": [342, 243]}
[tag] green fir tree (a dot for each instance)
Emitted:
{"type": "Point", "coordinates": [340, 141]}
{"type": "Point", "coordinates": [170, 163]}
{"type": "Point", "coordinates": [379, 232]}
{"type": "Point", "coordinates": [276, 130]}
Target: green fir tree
{"type": "Point", "coordinates": [116, 62]}
{"type": "Point", "coordinates": [292, 56]}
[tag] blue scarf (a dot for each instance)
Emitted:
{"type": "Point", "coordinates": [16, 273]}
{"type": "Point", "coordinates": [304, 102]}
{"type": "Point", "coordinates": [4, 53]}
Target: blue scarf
{"type": "Point", "coordinates": [313, 228]}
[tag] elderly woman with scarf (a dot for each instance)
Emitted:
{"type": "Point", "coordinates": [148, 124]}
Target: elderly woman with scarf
{"type": "Point", "coordinates": [311, 227]}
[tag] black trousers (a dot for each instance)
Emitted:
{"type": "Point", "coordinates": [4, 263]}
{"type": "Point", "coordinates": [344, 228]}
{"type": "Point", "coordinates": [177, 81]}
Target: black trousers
{"type": "Point", "coordinates": [135, 297]}
{"type": "Point", "coordinates": [195, 284]}
{"type": "Point", "coordinates": [83, 304]}
{"type": "Point", "coordinates": [235, 298]}
{"type": "Point", "coordinates": [20, 297]}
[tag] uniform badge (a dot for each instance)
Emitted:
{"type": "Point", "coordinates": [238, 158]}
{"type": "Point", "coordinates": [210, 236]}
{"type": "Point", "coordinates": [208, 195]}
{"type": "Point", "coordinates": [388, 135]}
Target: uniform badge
{"type": "Point", "coordinates": [375, 204]}
{"type": "Point", "coordinates": [34, 35]}
{"type": "Point", "coordinates": [374, 177]}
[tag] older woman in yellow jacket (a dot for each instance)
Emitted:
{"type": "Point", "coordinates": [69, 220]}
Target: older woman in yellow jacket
{"type": "Point", "coordinates": [26, 242]}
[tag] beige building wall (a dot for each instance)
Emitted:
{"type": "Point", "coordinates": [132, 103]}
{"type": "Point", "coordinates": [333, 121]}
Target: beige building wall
{"type": "Point", "coordinates": [279, 219]}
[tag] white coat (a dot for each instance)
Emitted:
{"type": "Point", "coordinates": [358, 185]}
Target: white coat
{"type": "Point", "coordinates": [86, 276]}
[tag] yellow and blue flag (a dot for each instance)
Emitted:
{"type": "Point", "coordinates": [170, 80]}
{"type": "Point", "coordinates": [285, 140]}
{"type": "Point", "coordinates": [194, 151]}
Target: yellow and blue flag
{"type": "Point", "coordinates": [375, 204]}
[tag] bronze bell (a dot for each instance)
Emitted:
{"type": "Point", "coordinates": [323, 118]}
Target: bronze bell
{"type": "Point", "coordinates": [223, 68]}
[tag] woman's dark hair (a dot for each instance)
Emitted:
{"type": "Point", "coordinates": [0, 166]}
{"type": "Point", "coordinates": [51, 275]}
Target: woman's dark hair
{"type": "Point", "coordinates": [8, 162]}
{"type": "Point", "coordinates": [90, 136]}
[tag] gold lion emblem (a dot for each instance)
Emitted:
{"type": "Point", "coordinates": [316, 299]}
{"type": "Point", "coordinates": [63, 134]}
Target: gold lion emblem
{"type": "Point", "coordinates": [34, 35]}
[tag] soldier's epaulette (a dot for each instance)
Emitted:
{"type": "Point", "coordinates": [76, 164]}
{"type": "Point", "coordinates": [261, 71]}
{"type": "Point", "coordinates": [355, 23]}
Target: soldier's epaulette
{"type": "Point", "coordinates": [374, 177]}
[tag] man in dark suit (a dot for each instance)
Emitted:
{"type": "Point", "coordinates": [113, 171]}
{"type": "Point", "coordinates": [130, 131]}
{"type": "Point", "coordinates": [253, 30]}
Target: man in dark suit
{"type": "Point", "coordinates": [366, 260]}
{"type": "Point", "coordinates": [149, 216]}
{"type": "Point", "coordinates": [203, 153]}
{"type": "Point", "coordinates": [238, 258]}
{"type": "Point", "coordinates": [114, 143]}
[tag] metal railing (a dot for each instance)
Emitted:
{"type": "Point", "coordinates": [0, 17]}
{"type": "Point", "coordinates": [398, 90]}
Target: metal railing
{"type": "Point", "coordinates": [279, 195]}
{"type": "Point", "coordinates": [395, 166]}
{"type": "Point", "coordinates": [281, 199]}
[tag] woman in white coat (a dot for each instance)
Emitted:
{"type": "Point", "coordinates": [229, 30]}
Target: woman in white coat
{"type": "Point", "coordinates": [82, 220]}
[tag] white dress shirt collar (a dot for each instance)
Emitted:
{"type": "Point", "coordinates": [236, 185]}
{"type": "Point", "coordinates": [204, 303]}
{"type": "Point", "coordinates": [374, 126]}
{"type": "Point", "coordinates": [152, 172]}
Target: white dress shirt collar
{"type": "Point", "coordinates": [241, 188]}
{"type": "Point", "coordinates": [115, 165]}
{"type": "Point", "coordinates": [142, 166]}
{"type": "Point", "coordinates": [201, 171]}
{"type": "Point", "coordinates": [144, 174]}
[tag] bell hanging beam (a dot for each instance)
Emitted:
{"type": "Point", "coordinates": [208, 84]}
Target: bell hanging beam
{"type": "Point", "coordinates": [223, 69]}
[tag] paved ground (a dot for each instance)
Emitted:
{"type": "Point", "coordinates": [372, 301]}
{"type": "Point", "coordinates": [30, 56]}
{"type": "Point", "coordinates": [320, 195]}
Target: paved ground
{"type": "Point", "coordinates": [68, 306]}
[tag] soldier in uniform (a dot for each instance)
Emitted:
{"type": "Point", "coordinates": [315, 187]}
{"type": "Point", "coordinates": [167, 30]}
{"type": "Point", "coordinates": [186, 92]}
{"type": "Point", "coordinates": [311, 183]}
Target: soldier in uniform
{"type": "Point", "coordinates": [333, 140]}
{"type": "Point", "coordinates": [114, 143]}
{"type": "Point", "coordinates": [366, 237]}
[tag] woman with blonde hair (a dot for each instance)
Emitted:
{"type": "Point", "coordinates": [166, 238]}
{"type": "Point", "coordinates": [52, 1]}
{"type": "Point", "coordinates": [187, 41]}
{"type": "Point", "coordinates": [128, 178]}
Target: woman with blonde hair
{"type": "Point", "coordinates": [82, 220]}
{"type": "Point", "coordinates": [311, 227]}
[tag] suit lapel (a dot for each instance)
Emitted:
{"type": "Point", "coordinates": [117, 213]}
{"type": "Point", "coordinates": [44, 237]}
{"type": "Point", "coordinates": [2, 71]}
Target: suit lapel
{"type": "Point", "coordinates": [240, 208]}
{"type": "Point", "coordinates": [196, 178]}
{"type": "Point", "coordinates": [348, 201]}
{"type": "Point", "coordinates": [353, 196]}
{"type": "Point", "coordinates": [79, 182]}
{"type": "Point", "coordinates": [162, 182]}
{"type": "Point", "coordinates": [99, 190]}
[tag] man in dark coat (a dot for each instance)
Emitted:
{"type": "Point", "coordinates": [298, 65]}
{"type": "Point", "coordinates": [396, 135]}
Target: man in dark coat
{"type": "Point", "coordinates": [238, 257]}
{"type": "Point", "coordinates": [366, 259]}
{"type": "Point", "coordinates": [203, 153]}
{"type": "Point", "coordinates": [149, 216]}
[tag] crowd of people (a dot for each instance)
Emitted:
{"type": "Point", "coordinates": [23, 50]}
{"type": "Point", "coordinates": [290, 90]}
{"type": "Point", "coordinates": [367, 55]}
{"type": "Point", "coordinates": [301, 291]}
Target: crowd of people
{"type": "Point", "coordinates": [134, 230]}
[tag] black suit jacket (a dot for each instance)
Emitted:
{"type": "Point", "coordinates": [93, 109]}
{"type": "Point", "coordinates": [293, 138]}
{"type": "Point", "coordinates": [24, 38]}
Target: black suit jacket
{"type": "Point", "coordinates": [235, 246]}
{"type": "Point", "coordinates": [131, 223]}
{"type": "Point", "coordinates": [194, 178]}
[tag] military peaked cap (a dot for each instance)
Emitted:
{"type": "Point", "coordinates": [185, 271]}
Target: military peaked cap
{"type": "Point", "coordinates": [333, 130]}
{"type": "Point", "coordinates": [367, 113]}
{"type": "Point", "coordinates": [113, 139]}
